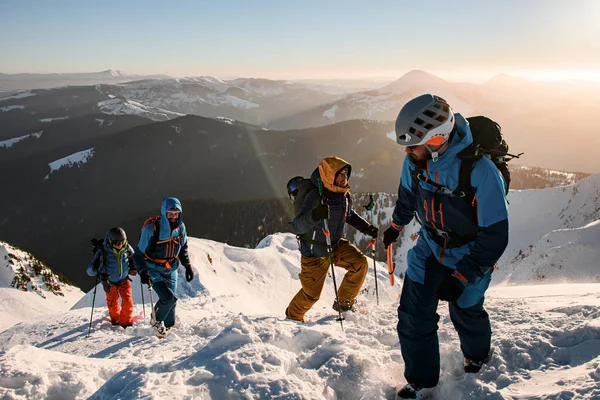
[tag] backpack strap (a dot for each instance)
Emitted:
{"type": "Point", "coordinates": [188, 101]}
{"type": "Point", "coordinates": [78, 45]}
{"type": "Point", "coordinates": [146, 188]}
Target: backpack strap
{"type": "Point", "coordinates": [155, 235]}
{"type": "Point", "coordinates": [464, 178]}
{"type": "Point", "coordinates": [419, 176]}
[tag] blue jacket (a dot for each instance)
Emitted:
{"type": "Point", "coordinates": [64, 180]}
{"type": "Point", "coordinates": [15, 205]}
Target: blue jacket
{"type": "Point", "coordinates": [484, 222]}
{"type": "Point", "coordinates": [117, 262]}
{"type": "Point", "coordinates": [162, 252]}
{"type": "Point", "coordinates": [312, 238]}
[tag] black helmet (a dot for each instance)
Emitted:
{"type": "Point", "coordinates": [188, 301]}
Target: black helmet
{"type": "Point", "coordinates": [292, 186]}
{"type": "Point", "coordinates": [116, 235]}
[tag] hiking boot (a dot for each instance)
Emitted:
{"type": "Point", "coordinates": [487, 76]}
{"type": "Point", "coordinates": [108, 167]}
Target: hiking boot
{"type": "Point", "coordinates": [345, 305]}
{"type": "Point", "coordinates": [409, 391]}
{"type": "Point", "coordinates": [113, 322]}
{"type": "Point", "coordinates": [472, 367]}
{"type": "Point", "coordinates": [159, 329]}
{"type": "Point", "coordinates": [287, 316]}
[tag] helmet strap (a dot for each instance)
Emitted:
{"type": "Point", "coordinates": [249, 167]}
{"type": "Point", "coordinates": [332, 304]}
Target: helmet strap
{"type": "Point", "coordinates": [435, 155]}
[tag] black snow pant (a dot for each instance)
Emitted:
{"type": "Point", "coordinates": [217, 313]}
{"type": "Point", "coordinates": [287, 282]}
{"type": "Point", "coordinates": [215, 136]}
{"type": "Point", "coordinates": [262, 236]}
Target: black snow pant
{"type": "Point", "coordinates": [418, 325]}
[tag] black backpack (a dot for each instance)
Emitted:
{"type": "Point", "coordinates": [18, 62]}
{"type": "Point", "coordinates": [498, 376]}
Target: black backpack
{"type": "Point", "coordinates": [304, 188]}
{"type": "Point", "coordinates": [487, 142]}
{"type": "Point", "coordinates": [98, 244]}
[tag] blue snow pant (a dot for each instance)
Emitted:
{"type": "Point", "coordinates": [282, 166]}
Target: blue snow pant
{"type": "Point", "coordinates": [418, 324]}
{"type": "Point", "coordinates": [165, 306]}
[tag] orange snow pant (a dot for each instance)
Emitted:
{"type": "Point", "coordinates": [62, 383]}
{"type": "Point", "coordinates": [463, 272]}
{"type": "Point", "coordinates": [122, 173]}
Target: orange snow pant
{"type": "Point", "coordinates": [314, 271]}
{"type": "Point", "coordinates": [122, 314]}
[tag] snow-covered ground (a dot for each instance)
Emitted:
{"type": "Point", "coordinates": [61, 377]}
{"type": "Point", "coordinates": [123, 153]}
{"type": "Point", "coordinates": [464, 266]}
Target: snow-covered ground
{"type": "Point", "coordinates": [231, 340]}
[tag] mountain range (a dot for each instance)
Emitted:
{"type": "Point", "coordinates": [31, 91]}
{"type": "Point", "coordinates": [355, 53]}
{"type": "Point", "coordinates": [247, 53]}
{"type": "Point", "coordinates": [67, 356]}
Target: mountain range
{"type": "Point", "coordinates": [551, 122]}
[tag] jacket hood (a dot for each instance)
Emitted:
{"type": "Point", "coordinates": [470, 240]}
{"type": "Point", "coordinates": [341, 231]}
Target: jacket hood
{"type": "Point", "coordinates": [327, 169]}
{"type": "Point", "coordinates": [167, 204]}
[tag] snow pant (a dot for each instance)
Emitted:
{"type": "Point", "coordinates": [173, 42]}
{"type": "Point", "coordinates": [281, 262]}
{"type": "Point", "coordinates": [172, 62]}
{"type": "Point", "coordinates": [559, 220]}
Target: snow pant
{"type": "Point", "coordinates": [418, 324]}
{"type": "Point", "coordinates": [314, 271]}
{"type": "Point", "coordinates": [165, 306]}
{"type": "Point", "coordinates": [122, 314]}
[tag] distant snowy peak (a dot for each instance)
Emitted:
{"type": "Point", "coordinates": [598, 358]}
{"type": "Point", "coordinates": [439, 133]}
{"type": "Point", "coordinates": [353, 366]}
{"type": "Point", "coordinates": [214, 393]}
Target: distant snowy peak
{"type": "Point", "coordinates": [22, 271]}
{"type": "Point", "coordinates": [412, 79]}
{"type": "Point", "coordinates": [114, 72]}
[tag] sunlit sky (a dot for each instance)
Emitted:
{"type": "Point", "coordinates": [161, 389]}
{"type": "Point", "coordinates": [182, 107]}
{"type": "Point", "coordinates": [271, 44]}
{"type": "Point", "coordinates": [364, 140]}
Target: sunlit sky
{"type": "Point", "coordinates": [456, 40]}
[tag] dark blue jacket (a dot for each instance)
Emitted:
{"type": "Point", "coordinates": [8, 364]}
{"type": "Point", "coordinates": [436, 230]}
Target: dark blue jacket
{"type": "Point", "coordinates": [482, 225]}
{"type": "Point", "coordinates": [340, 212]}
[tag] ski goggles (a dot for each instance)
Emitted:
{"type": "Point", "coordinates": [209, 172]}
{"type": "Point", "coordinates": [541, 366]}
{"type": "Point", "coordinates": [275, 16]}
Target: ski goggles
{"type": "Point", "coordinates": [119, 243]}
{"type": "Point", "coordinates": [172, 214]}
{"type": "Point", "coordinates": [292, 187]}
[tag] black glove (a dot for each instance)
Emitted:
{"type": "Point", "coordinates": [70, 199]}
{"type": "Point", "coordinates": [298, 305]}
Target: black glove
{"type": "Point", "coordinates": [321, 212]}
{"type": "Point", "coordinates": [451, 289]}
{"type": "Point", "coordinates": [189, 273]}
{"type": "Point", "coordinates": [105, 283]}
{"type": "Point", "coordinates": [144, 277]}
{"type": "Point", "coordinates": [389, 236]}
{"type": "Point", "coordinates": [372, 231]}
{"type": "Point", "coordinates": [132, 270]}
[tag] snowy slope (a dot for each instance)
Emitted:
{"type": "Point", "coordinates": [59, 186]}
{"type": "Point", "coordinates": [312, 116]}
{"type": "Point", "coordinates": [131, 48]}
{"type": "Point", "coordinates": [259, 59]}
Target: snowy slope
{"type": "Point", "coordinates": [559, 220]}
{"type": "Point", "coordinates": [231, 342]}
{"type": "Point", "coordinates": [563, 255]}
{"type": "Point", "coordinates": [29, 289]}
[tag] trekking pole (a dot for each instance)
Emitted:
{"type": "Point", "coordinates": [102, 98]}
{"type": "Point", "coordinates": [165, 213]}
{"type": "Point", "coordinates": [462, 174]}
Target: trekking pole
{"type": "Point", "coordinates": [143, 301]}
{"type": "Point", "coordinates": [373, 242]}
{"type": "Point", "coordinates": [330, 251]}
{"type": "Point", "coordinates": [391, 264]}
{"type": "Point", "coordinates": [93, 302]}
{"type": "Point", "coordinates": [152, 312]}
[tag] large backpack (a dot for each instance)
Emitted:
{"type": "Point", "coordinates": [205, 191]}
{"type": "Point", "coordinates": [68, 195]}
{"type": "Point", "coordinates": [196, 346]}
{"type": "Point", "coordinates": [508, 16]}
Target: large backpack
{"type": "Point", "coordinates": [487, 142]}
{"type": "Point", "coordinates": [155, 220]}
{"type": "Point", "coordinates": [304, 188]}
{"type": "Point", "coordinates": [98, 244]}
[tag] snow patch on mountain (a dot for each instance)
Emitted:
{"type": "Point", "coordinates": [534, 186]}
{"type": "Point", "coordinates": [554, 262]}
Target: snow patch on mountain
{"type": "Point", "coordinates": [213, 83]}
{"type": "Point", "coordinates": [81, 157]}
{"type": "Point", "coordinates": [20, 95]}
{"type": "Point", "coordinates": [53, 119]}
{"type": "Point", "coordinates": [10, 142]}
{"type": "Point", "coordinates": [118, 106]}
{"type": "Point", "coordinates": [330, 113]}
{"type": "Point", "coordinates": [10, 108]}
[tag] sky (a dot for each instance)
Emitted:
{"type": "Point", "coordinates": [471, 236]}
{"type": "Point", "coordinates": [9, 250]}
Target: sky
{"type": "Point", "coordinates": [457, 40]}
